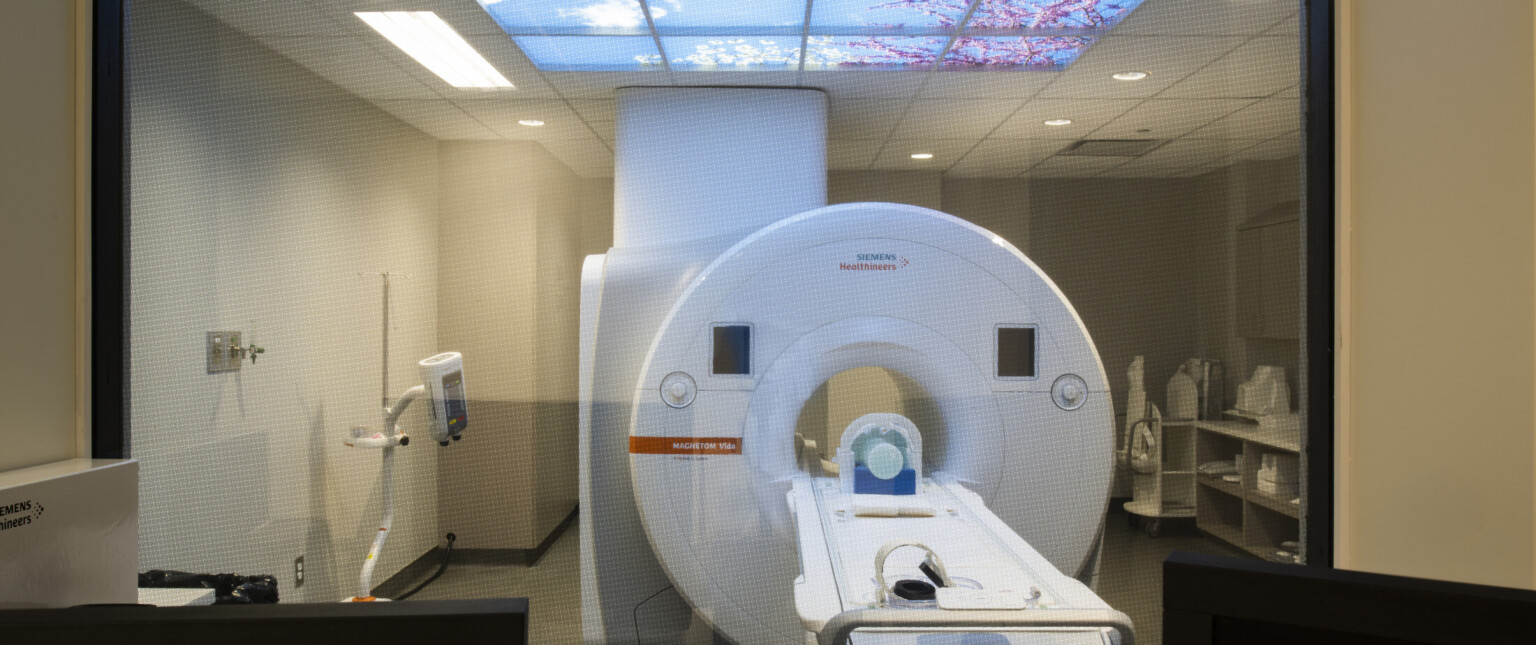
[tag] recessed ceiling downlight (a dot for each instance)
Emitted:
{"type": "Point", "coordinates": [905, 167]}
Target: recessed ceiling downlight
{"type": "Point", "coordinates": [1128, 76]}
{"type": "Point", "coordinates": [922, 155]}
{"type": "Point", "coordinates": [1058, 122]}
{"type": "Point", "coordinates": [530, 122]}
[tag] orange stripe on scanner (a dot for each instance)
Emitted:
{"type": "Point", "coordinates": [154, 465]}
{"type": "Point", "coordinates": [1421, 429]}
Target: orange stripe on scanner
{"type": "Point", "coordinates": [684, 446]}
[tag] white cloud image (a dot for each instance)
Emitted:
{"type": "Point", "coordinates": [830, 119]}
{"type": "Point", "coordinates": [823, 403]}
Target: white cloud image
{"type": "Point", "coordinates": [613, 14]}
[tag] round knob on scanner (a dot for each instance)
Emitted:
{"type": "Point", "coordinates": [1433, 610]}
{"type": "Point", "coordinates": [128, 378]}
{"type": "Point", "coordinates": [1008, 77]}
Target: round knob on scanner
{"type": "Point", "coordinates": [678, 390]}
{"type": "Point", "coordinates": [1069, 392]}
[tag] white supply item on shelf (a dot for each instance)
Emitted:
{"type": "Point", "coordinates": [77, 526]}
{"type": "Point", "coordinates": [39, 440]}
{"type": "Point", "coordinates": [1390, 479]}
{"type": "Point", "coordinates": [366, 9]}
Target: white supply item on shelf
{"type": "Point", "coordinates": [1264, 394]}
{"type": "Point", "coordinates": [1135, 408]}
{"type": "Point", "coordinates": [1280, 474]}
{"type": "Point", "coordinates": [1280, 422]}
{"type": "Point", "coordinates": [1280, 467]}
{"type": "Point", "coordinates": [1183, 395]}
{"type": "Point", "coordinates": [1214, 468]}
{"type": "Point", "coordinates": [1271, 487]}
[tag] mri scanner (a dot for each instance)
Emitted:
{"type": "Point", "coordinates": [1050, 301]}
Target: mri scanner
{"type": "Point", "coordinates": [731, 295]}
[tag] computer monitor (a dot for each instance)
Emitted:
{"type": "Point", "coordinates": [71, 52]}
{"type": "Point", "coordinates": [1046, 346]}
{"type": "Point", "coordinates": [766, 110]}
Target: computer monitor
{"type": "Point", "coordinates": [1213, 600]}
{"type": "Point", "coordinates": [495, 620]}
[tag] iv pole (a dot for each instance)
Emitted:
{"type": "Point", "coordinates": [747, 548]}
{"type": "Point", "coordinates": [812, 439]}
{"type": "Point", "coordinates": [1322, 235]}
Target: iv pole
{"type": "Point", "coordinates": [386, 440]}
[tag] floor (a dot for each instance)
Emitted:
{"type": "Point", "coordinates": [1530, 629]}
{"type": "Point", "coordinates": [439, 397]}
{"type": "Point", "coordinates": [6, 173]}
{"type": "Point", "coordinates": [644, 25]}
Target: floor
{"type": "Point", "coordinates": [1130, 579]}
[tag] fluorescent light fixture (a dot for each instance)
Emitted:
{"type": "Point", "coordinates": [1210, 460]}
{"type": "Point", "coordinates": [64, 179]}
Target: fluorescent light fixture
{"type": "Point", "coordinates": [429, 40]}
{"type": "Point", "coordinates": [922, 155]}
{"type": "Point", "coordinates": [1058, 122]}
{"type": "Point", "coordinates": [530, 122]}
{"type": "Point", "coordinates": [1128, 76]}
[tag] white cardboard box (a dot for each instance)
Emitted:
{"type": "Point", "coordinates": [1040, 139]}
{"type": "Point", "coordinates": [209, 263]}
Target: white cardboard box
{"type": "Point", "coordinates": [69, 534]}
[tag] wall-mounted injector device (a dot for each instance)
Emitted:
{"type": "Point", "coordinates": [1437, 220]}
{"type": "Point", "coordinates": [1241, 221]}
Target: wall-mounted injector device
{"type": "Point", "coordinates": [442, 383]}
{"type": "Point", "coordinates": [443, 375]}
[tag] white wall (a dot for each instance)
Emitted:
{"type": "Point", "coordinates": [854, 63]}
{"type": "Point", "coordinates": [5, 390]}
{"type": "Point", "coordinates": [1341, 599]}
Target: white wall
{"type": "Point", "coordinates": [508, 296]}
{"type": "Point", "coordinates": [1436, 427]}
{"type": "Point", "coordinates": [259, 194]}
{"type": "Point", "coordinates": [919, 188]}
{"type": "Point", "coordinates": [37, 246]}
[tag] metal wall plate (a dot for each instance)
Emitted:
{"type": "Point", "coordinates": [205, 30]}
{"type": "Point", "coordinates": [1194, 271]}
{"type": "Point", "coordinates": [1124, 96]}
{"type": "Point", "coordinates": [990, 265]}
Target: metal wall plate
{"type": "Point", "coordinates": [223, 351]}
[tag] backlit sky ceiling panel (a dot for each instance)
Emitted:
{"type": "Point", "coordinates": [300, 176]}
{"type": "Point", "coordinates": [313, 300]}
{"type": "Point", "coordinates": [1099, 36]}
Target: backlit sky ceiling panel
{"type": "Point", "coordinates": [578, 54]}
{"type": "Point", "coordinates": [1013, 51]}
{"type": "Point", "coordinates": [769, 35]}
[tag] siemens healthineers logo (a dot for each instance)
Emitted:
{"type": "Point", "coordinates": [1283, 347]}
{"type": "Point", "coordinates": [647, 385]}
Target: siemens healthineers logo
{"type": "Point", "coordinates": [19, 514]}
{"type": "Point", "coordinates": [874, 262]}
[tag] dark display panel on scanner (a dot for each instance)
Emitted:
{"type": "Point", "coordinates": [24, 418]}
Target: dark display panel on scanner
{"type": "Point", "coordinates": [733, 349]}
{"type": "Point", "coordinates": [1016, 351]}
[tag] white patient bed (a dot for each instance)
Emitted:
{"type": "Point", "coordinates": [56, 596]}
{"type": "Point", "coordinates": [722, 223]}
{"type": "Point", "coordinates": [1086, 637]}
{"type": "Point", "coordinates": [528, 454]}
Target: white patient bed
{"type": "Point", "coordinates": [837, 589]}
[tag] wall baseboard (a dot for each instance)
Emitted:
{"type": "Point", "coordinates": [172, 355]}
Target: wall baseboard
{"type": "Point", "coordinates": [424, 566]}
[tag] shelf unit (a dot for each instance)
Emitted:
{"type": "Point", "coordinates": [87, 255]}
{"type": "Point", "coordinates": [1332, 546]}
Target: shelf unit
{"type": "Point", "coordinates": [1170, 491]}
{"type": "Point", "coordinates": [1239, 513]}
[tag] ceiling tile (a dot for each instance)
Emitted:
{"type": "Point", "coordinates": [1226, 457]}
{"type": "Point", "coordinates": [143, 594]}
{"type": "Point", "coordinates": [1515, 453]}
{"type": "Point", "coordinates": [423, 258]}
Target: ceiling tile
{"type": "Point", "coordinates": [1086, 116]}
{"type": "Point", "coordinates": [1195, 172]}
{"type": "Point", "coordinates": [600, 85]}
{"type": "Point", "coordinates": [1280, 148]}
{"type": "Point", "coordinates": [1142, 169]}
{"type": "Point", "coordinates": [605, 130]}
{"type": "Point", "coordinates": [1001, 84]}
{"type": "Point", "coordinates": [293, 19]}
{"type": "Point", "coordinates": [1186, 153]}
{"type": "Point", "coordinates": [1288, 27]}
{"type": "Point", "coordinates": [979, 172]}
{"type": "Point", "coordinates": [863, 118]}
{"type": "Point", "coordinates": [852, 154]}
{"type": "Point", "coordinates": [1206, 17]}
{"type": "Point", "coordinates": [1261, 67]}
{"type": "Point", "coordinates": [1168, 118]}
{"type": "Point", "coordinates": [438, 118]}
{"type": "Point", "coordinates": [352, 64]}
{"type": "Point", "coordinates": [1073, 166]}
{"type": "Point", "coordinates": [593, 109]}
{"type": "Point", "coordinates": [954, 118]}
{"type": "Point", "coordinates": [581, 155]}
{"type": "Point", "coordinates": [855, 85]}
{"type": "Point", "coordinates": [1261, 120]}
{"type": "Point", "coordinates": [502, 116]}
{"type": "Point", "coordinates": [1166, 59]}
{"type": "Point", "coordinates": [1005, 157]}
{"type": "Point", "coordinates": [897, 154]}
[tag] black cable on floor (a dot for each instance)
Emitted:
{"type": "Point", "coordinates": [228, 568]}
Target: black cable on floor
{"type": "Point", "coordinates": [440, 569]}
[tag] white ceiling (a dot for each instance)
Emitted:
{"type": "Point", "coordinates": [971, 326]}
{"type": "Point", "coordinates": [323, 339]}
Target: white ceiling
{"type": "Point", "coordinates": [1223, 86]}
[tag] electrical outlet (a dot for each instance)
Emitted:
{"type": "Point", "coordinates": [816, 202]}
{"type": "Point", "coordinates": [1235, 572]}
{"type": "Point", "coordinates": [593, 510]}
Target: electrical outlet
{"type": "Point", "coordinates": [298, 572]}
{"type": "Point", "coordinates": [223, 351]}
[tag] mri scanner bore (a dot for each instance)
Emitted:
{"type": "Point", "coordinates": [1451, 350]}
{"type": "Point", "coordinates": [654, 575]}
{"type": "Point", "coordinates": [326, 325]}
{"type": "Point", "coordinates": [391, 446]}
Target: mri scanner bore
{"type": "Point", "coordinates": [704, 338]}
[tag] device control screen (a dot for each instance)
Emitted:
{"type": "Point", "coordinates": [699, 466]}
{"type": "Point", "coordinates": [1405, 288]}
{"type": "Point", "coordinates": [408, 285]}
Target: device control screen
{"type": "Point", "coordinates": [1016, 351]}
{"type": "Point", "coordinates": [733, 349]}
{"type": "Point", "coordinates": [453, 401]}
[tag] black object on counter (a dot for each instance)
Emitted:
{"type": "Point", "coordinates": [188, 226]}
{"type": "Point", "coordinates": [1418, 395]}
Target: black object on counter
{"type": "Point", "coordinates": [228, 588]}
